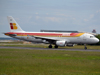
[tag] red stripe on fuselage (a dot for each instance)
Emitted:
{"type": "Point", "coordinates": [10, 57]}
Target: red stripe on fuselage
{"type": "Point", "coordinates": [73, 34]}
{"type": "Point", "coordinates": [43, 34]}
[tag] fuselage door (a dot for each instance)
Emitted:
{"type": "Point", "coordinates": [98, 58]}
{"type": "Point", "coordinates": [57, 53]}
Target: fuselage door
{"type": "Point", "coordinates": [84, 38]}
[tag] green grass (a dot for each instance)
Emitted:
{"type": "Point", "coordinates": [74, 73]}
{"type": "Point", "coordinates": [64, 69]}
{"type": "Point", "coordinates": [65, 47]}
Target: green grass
{"type": "Point", "coordinates": [48, 62]}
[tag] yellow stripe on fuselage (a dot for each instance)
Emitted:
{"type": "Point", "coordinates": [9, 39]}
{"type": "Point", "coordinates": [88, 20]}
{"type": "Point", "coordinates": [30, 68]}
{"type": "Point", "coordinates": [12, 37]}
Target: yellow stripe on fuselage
{"type": "Point", "coordinates": [79, 34]}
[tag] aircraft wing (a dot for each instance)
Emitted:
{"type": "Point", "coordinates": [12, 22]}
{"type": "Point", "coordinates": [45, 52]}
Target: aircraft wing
{"type": "Point", "coordinates": [49, 39]}
{"type": "Point", "coordinates": [45, 38]}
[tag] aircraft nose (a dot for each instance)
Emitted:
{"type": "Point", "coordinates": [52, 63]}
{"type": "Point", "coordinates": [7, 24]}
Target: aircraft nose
{"type": "Point", "coordinates": [97, 40]}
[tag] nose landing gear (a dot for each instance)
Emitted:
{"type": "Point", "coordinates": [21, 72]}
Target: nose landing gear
{"type": "Point", "coordinates": [85, 46]}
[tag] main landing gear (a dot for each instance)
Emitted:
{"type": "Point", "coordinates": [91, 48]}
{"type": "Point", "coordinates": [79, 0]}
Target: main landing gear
{"type": "Point", "coordinates": [50, 46]}
{"type": "Point", "coordinates": [56, 46]}
{"type": "Point", "coordinates": [85, 46]}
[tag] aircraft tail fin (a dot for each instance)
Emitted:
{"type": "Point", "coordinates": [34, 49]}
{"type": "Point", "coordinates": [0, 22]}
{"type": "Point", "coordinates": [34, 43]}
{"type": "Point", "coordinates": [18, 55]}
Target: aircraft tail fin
{"type": "Point", "coordinates": [14, 27]}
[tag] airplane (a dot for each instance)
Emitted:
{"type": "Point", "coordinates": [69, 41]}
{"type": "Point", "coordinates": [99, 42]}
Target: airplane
{"type": "Point", "coordinates": [52, 38]}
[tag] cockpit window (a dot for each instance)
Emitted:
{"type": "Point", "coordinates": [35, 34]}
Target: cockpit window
{"type": "Point", "coordinates": [91, 36]}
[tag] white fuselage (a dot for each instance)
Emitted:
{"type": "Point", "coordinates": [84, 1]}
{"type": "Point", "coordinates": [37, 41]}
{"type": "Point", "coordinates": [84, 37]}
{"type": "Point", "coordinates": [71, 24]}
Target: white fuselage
{"type": "Point", "coordinates": [83, 39]}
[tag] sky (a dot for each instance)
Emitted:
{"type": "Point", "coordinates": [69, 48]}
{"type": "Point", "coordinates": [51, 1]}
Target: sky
{"type": "Point", "coordinates": [34, 15]}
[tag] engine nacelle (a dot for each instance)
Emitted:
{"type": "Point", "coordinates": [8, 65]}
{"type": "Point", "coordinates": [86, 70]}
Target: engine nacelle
{"type": "Point", "coordinates": [61, 43]}
{"type": "Point", "coordinates": [70, 45]}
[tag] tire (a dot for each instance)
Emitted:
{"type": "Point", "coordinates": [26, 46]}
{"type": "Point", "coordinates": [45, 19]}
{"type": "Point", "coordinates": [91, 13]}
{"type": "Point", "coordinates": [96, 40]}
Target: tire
{"type": "Point", "coordinates": [56, 46]}
{"type": "Point", "coordinates": [50, 46]}
{"type": "Point", "coordinates": [85, 48]}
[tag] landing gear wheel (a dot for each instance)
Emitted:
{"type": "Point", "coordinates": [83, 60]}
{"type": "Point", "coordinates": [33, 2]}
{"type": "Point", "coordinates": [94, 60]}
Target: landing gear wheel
{"type": "Point", "coordinates": [50, 46]}
{"type": "Point", "coordinates": [56, 46]}
{"type": "Point", "coordinates": [85, 46]}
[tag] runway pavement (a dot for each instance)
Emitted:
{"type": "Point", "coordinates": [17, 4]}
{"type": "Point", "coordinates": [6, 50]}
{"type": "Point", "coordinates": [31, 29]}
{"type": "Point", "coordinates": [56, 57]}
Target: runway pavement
{"type": "Point", "coordinates": [32, 48]}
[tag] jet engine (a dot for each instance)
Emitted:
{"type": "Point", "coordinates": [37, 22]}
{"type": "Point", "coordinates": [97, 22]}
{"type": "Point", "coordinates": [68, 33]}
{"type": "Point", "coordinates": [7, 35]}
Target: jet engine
{"type": "Point", "coordinates": [61, 43]}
